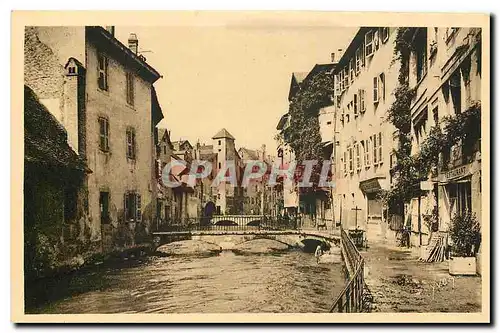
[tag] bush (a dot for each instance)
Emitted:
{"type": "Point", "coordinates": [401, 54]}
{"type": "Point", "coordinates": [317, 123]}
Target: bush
{"type": "Point", "coordinates": [465, 233]}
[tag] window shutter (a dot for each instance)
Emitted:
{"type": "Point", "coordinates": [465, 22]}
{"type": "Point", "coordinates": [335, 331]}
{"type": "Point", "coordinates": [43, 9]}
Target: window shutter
{"type": "Point", "coordinates": [375, 152]}
{"type": "Point", "coordinates": [381, 86]}
{"type": "Point", "coordinates": [138, 207]}
{"type": "Point", "coordinates": [375, 90]}
{"type": "Point", "coordinates": [367, 152]}
{"type": "Point", "coordinates": [355, 107]}
{"type": "Point", "coordinates": [106, 136]}
{"type": "Point", "coordinates": [125, 207]}
{"type": "Point", "coordinates": [380, 159]}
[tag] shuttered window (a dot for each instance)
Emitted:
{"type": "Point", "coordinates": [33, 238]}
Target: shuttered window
{"type": "Point", "coordinates": [103, 134]}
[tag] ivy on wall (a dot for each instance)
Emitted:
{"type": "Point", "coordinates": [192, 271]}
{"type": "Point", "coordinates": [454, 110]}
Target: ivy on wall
{"type": "Point", "coordinates": [463, 128]}
{"type": "Point", "coordinates": [303, 134]}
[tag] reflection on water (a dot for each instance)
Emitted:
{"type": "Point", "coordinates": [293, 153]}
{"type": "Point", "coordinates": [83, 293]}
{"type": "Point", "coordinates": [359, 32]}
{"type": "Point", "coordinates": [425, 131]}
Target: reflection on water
{"type": "Point", "coordinates": [279, 282]}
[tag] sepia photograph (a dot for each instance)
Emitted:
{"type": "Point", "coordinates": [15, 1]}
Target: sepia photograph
{"type": "Point", "coordinates": [248, 166]}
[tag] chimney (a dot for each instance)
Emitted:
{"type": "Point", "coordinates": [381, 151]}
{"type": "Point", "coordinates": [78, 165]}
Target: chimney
{"type": "Point", "coordinates": [332, 55]}
{"type": "Point", "coordinates": [111, 29]}
{"type": "Point", "coordinates": [133, 43]}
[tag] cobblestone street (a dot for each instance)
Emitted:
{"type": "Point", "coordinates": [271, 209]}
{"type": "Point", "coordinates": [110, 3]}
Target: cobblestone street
{"type": "Point", "coordinates": [399, 282]}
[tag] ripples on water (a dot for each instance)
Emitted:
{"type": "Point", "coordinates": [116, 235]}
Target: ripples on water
{"type": "Point", "coordinates": [279, 282]}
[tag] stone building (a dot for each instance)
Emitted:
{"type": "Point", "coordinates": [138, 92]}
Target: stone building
{"type": "Point", "coordinates": [229, 200]}
{"type": "Point", "coordinates": [445, 70]}
{"type": "Point", "coordinates": [102, 92]}
{"type": "Point", "coordinates": [364, 81]}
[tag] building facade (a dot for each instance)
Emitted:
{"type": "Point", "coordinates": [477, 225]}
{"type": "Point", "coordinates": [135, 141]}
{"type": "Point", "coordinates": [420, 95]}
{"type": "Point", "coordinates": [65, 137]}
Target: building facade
{"type": "Point", "coordinates": [364, 80]}
{"type": "Point", "coordinates": [102, 92]}
{"type": "Point", "coordinates": [445, 71]}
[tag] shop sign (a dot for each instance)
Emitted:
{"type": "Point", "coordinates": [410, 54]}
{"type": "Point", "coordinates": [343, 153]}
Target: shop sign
{"type": "Point", "coordinates": [426, 186]}
{"type": "Point", "coordinates": [459, 172]}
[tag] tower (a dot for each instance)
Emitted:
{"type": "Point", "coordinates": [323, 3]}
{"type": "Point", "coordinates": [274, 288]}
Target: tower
{"type": "Point", "coordinates": [223, 145]}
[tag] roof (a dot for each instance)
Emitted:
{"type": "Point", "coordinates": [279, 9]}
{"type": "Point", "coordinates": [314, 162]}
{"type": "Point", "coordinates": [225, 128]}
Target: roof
{"type": "Point", "coordinates": [156, 111]}
{"type": "Point", "coordinates": [320, 68]}
{"type": "Point", "coordinates": [177, 145]}
{"type": "Point", "coordinates": [252, 154]}
{"type": "Point", "coordinates": [299, 76]}
{"type": "Point", "coordinates": [282, 122]}
{"type": "Point", "coordinates": [296, 80]}
{"type": "Point", "coordinates": [223, 133]}
{"type": "Point", "coordinates": [45, 139]}
{"type": "Point", "coordinates": [120, 52]}
{"type": "Point", "coordinates": [351, 49]}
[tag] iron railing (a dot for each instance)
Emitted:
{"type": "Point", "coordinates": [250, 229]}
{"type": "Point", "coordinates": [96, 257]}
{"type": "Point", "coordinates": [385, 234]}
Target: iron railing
{"type": "Point", "coordinates": [351, 297]}
{"type": "Point", "coordinates": [229, 223]}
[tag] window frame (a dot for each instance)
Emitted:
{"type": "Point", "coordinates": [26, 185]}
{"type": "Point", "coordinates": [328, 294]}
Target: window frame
{"type": "Point", "coordinates": [369, 44]}
{"type": "Point", "coordinates": [385, 34]}
{"type": "Point", "coordinates": [358, 157]}
{"type": "Point", "coordinates": [367, 152]}
{"type": "Point", "coordinates": [375, 150]}
{"type": "Point", "coordinates": [380, 148]}
{"type": "Point", "coordinates": [376, 97]}
{"type": "Point", "coordinates": [355, 105]}
{"type": "Point", "coordinates": [351, 159]}
{"type": "Point", "coordinates": [103, 133]}
{"type": "Point", "coordinates": [131, 143]}
{"type": "Point", "coordinates": [134, 198]}
{"type": "Point", "coordinates": [129, 88]}
{"type": "Point", "coordinates": [362, 100]}
{"type": "Point", "coordinates": [102, 70]}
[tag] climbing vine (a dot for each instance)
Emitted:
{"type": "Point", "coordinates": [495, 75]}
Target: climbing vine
{"type": "Point", "coordinates": [303, 134]}
{"type": "Point", "coordinates": [464, 128]}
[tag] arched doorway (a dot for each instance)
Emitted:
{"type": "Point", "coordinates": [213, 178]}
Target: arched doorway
{"type": "Point", "coordinates": [208, 212]}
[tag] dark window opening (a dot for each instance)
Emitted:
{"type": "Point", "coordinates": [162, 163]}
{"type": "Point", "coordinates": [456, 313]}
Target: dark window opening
{"type": "Point", "coordinates": [132, 207]}
{"type": "Point", "coordinates": [104, 207]}
{"type": "Point", "coordinates": [131, 144]}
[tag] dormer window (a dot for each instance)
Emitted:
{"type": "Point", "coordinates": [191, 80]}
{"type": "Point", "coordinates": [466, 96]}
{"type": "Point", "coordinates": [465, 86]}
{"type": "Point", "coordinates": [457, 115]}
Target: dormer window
{"type": "Point", "coordinates": [369, 48]}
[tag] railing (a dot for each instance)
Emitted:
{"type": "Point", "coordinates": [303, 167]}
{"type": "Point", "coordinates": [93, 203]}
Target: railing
{"type": "Point", "coordinates": [229, 223]}
{"type": "Point", "coordinates": [351, 298]}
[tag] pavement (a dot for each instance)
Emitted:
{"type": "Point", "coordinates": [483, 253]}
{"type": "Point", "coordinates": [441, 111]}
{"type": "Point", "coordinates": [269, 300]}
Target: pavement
{"type": "Point", "coordinates": [399, 282]}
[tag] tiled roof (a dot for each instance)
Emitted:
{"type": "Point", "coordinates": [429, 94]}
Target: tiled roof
{"type": "Point", "coordinates": [223, 133]}
{"type": "Point", "coordinates": [45, 139]}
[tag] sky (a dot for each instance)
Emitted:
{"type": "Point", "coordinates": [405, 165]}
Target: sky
{"type": "Point", "coordinates": [231, 76]}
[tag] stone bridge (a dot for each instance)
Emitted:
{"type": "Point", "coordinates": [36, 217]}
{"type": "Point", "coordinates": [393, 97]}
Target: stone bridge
{"type": "Point", "coordinates": [308, 240]}
{"type": "Point", "coordinates": [237, 220]}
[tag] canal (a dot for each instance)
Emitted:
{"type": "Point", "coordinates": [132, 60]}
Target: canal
{"type": "Point", "coordinates": [278, 282]}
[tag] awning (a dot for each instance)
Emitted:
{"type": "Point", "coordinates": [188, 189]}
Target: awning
{"type": "Point", "coordinates": [371, 185]}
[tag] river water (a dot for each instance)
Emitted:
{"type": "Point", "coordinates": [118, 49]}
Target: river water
{"type": "Point", "coordinates": [280, 282]}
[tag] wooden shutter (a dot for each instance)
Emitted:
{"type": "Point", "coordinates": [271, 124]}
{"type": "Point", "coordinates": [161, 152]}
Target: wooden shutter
{"type": "Point", "coordinates": [138, 207]}
{"type": "Point", "coordinates": [375, 152]}
{"type": "Point", "coordinates": [375, 89]}
{"type": "Point", "coordinates": [380, 159]}
{"type": "Point", "coordinates": [355, 107]}
{"type": "Point", "coordinates": [125, 207]}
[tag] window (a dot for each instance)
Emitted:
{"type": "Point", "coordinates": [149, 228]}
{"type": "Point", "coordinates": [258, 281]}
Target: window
{"type": "Point", "coordinates": [351, 70]}
{"type": "Point", "coordinates": [362, 104]}
{"type": "Point", "coordinates": [369, 44]}
{"type": "Point", "coordinates": [358, 157]}
{"type": "Point", "coordinates": [104, 207]}
{"type": "Point", "coordinates": [375, 150]}
{"type": "Point", "coordinates": [375, 90]}
{"type": "Point", "coordinates": [351, 162]}
{"type": "Point", "coordinates": [346, 77]}
{"type": "Point", "coordinates": [344, 160]}
{"type": "Point", "coordinates": [103, 134]}
{"type": "Point", "coordinates": [355, 105]}
{"type": "Point", "coordinates": [358, 60]}
{"type": "Point", "coordinates": [328, 122]}
{"type": "Point", "coordinates": [376, 40]}
{"type": "Point", "coordinates": [131, 145]}
{"type": "Point", "coordinates": [385, 34]}
{"type": "Point", "coordinates": [455, 91]}
{"type": "Point", "coordinates": [219, 142]}
{"type": "Point", "coordinates": [337, 85]}
{"type": "Point", "coordinates": [435, 115]}
{"type": "Point", "coordinates": [130, 88]}
{"type": "Point", "coordinates": [380, 145]}
{"type": "Point", "coordinates": [420, 45]}
{"type": "Point", "coordinates": [220, 165]}
{"type": "Point", "coordinates": [165, 149]}
{"type": "Point", "coordinates": [381, 86]}
{"type": "Point", "coordinates": [367, 152]}
{"type": "Point", "coordinates": [102, 77]}
{"type": "Point", "coordinates": [132, 207]}
{"type": "Point", "coordinates": [449, 33]}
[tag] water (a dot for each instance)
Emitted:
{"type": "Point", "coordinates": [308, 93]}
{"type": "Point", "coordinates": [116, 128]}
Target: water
{"type": "Point", "coordinates": [284, 282]}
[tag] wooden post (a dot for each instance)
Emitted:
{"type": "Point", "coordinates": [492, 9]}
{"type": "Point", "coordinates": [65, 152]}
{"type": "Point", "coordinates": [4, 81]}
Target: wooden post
{"type": "Point", "coordinates": [419, 222]}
